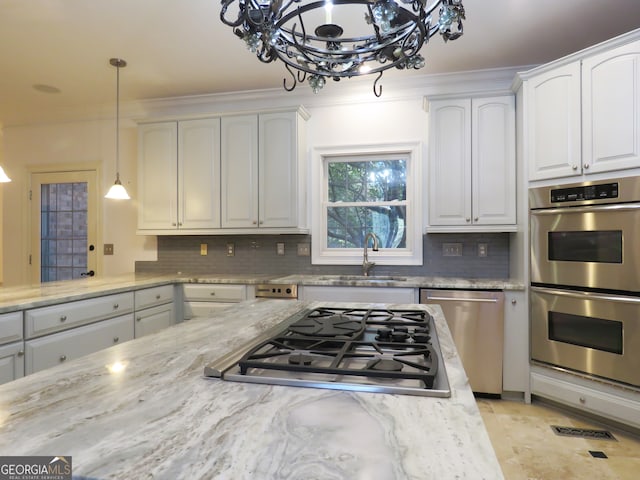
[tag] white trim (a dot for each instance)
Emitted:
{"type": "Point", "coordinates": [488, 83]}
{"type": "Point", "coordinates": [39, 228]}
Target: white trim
{"type": "Point", "coordinates": [412, 254]}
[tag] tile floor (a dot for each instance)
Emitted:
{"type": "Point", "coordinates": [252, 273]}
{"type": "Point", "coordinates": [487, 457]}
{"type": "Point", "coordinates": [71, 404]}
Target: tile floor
{"type": "Point", "coordinates": [528, 449]}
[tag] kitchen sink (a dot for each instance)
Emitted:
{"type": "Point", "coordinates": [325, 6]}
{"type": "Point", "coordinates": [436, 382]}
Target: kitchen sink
{"type": "Point", "coordinates": [362, 278]}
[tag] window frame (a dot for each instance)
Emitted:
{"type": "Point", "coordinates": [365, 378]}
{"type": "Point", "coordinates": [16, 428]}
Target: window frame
{"type": "Point", "coordinates": [321, 254]}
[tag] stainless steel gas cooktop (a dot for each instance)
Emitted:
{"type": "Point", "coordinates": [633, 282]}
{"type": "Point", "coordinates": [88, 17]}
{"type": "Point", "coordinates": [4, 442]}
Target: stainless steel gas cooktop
{"type": "Point", "coordinates": [361, 349]}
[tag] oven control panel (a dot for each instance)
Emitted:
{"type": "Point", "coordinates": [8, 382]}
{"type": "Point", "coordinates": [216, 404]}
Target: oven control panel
{"type": "Point", "coordinates": [277, 291]}
{"type": "Point", "coordinates": [585, 192]}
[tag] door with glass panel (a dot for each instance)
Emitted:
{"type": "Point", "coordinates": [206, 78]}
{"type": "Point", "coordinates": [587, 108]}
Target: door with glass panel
{"type": "Point", "coordinates": [63, 225]}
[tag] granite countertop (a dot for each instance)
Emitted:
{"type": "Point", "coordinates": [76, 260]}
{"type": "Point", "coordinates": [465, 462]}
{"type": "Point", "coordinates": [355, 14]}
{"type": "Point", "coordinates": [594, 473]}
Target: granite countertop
{"type": "Point", "coordinates": [39, 295]}
{"type": "Point", "coordinates": [161, 418]}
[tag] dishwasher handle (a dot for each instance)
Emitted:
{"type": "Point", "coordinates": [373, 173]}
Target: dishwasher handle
{"type": "Point", "coordinates": [462, 299]}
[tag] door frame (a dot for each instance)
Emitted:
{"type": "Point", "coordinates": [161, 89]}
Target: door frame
{"type": "Point", "coordinates": [33, 274]}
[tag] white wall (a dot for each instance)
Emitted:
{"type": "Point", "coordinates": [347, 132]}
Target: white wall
{"type": "Point", "coordinates": [72, 143]}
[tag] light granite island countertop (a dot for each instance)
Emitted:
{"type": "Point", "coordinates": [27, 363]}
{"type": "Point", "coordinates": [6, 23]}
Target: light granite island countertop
{"type": "Point", "coordinates": [161, 418]}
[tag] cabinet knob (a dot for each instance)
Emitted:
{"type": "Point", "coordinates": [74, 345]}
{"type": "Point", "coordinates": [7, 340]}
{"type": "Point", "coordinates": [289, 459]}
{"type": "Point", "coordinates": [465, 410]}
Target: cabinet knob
{"type": "Point", "coordinates": [583, 400]}
{"type": "Point", "coordinates": [179, 224]}
{"type": "Point", "coordinates": [173, 224]}
{"type": "Point", "coordinates": [63, 318]}
{"type": "Point", "coordinates": [586, 166]}
{"type": "Point", "coordinates": [475, 219]}
{"type": "Point", "coordinates": [255, 222]}
{"type": "Point", "coordinates": [261, 222]}
{"type": "Point", "coordinates": [158, 297]}
{"type": "Point", "coordinates": [116, 306]}
{"type": "Point", "coordinates": [116, 339]}
{"type": "Point", "coordinates": [21, 353]}
{"type": "Point", "coordinates": [575, 167]}
{"type": "Point", "coordinates": [514, 301]}
{"type": "Point", "coordinates": [213, 294]}
{"type": "Point", "coordinates": [63, 358]}
{"type": "Point", "coordinates": [468, 219]}
{"type": "Point", "coordinates": [138, 319]}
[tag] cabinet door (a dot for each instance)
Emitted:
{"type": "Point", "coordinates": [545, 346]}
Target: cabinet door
{"type": "Point", "coordinates": [157, 176]}
{"type": "Point", "coordinates": [278, 170]}
{"type": "Point", "coordinates": [611, 109]}
{"type": "Point", "coordinates": [239, 171]}
{"type": "Point", "coordinates": [199, 173]}
{"type": "Point", "coordinates": [493, 161]}
{"type": "Point", "coordinates": [11, 362]}
{"type": "Point", "coordinates": [552, 138]}
{"type": "Point", "coordinates": [450, 162]}
{"type": "Point", "coordinates": [154, 319]}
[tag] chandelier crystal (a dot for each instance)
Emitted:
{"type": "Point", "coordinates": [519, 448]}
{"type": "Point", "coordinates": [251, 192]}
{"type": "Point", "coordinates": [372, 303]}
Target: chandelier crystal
{"type": "Point", "coordinates": [388, 33]}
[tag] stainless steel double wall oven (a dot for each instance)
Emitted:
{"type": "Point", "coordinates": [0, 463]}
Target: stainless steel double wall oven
{"type": "Point", "coordinates": [585, 278]}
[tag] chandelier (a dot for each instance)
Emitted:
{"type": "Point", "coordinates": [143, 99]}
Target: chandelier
{"type": "Point", "coordinates": [390, 34]}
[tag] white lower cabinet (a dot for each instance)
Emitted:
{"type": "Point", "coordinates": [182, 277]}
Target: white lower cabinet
{"type": "Point", "coordinates": [515, 368]}
{"type": "Point", "coordinates": [57, 348]}
{"type": "Point", "coordinates": [358, 294]}
{"type": "Point", "coordinates": [154, 319]}
{"type": "Point", "coordinates": [11, 361]}
{"type": "Point", "coordinates": [154, 309]}
{"type": "Point", "coordinates": [205, 300]}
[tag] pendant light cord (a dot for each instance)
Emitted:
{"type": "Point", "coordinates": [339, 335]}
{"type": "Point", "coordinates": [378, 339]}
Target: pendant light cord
{"type": "Point", "coordinates": [118, 121]}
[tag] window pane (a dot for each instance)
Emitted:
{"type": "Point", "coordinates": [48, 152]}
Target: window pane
{"type": "Point", "coordinates": [369, 181]}
{"type": "Point", "coordinates": [347, 226]}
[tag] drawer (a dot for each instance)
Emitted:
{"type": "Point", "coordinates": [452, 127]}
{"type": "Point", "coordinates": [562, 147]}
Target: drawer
{"type": "Point", "coordinates": [11, 362]}
{"type": "Point", "coordinates": [150, 297]}
{"type": "Point", "coordinates": [215, 293]}
{"type": "Point", "coordinates": [61, 347]}
{"type": "Point", "coordinates": [203, 309]}
{"type": "Point", "coordinates": [10, 327]}
{"type": "Point", "coordinates": [45, 320]}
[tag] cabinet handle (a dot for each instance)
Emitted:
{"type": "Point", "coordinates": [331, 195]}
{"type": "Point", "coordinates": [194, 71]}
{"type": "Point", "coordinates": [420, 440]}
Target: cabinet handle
{"type": "Point", "coordinates": [468, 219]}
{"type": "Point", "coordinates": [261, 222]}
{"type": "Point", "coordinates": [583, 400]}
{"type": "Point", "coordinates": [586, 166]}
{"type": "Point", "coordinates": [157, 297]}
{"type": "Point", "coordinates": [63, 358]}
{"type": "Point", "coordinates": [138, 319]}
{"type": "Point", "coordinates": [575, 167]}
{"type": "Point", "coordinates": [173, 224]}
{"type": "Point", "coordinates": [21, 353]}
{"type": "Point", "coordinates": [514, 301]}
{"type": "Point", "coordinates": [116, 339]}
{"type": "Point", "coordinates": [63, 318]}
{"type": "Point", "coordinates": [179, 224]}
{"type": "Point", "coordinates": [116, 306]}
{"type": "Point", "coordinates": [213, 294]}
{"type": "Point", "coordinates": [475, 219]}
{"type": "Point", "coordinates": [255, 222]}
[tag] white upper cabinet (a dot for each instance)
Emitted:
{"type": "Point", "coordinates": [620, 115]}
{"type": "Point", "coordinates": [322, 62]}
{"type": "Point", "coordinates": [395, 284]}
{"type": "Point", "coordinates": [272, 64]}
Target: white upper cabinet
{"type": "Point", "coordinates": [472, 164]}
{"type": "Point", "coordinates": [611, 109]}
{"type": "Point", "coordinates": [582, 114]}
{"type": "Point", "coordinates": [552, 105]}
{"type": "Point", "coordinates": [179, 175]}
{"type": "Point", "coordinates": [262, 171]}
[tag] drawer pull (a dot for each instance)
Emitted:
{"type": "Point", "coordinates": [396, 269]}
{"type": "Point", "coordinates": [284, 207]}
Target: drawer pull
{"type": "Point", "coordinates": [63, 358]}
{"type": "Point", "coordinates": [116, 306]}
{"type": "Point", "coordinates": [21, 353]}
{"type": "Point", "coordinates": [63, 318]}
{"type": "Point", "coordinates": [158, 297]}
{"type": "Point", "coordinates": [116, 339]}
{"type": "Point", "coordinates": [138, 319]}
{"type": "Point", "coordinates": [213, 294]}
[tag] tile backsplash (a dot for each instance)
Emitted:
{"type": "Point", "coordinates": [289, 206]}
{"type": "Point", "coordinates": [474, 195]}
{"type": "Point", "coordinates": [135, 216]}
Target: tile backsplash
{"type": "Point", "coordinates": [258, 254]}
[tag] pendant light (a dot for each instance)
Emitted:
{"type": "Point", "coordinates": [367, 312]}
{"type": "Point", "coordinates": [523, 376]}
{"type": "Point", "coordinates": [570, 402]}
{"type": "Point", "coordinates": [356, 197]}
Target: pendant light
{"type": "Point", "coordinates": [3, 176]}
{"type": "Point", "coordinates": [117, 190]}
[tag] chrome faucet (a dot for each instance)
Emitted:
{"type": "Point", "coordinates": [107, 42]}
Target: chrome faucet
{"type": "Point", "coordinates": [366, 264]}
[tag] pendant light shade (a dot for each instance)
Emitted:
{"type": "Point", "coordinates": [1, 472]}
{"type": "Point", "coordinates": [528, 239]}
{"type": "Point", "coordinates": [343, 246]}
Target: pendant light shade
{"type": "Point", "coordinates": [117, 190]}
{"type": "Point", "coordinates": [3, 176]}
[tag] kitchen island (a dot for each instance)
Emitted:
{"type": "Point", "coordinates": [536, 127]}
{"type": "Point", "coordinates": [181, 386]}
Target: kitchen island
{"type": "Point", "coordinates": [159, 417]}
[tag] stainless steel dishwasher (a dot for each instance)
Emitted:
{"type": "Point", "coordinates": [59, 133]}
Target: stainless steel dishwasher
{"type": "Point", "coordinates": [476, 321]}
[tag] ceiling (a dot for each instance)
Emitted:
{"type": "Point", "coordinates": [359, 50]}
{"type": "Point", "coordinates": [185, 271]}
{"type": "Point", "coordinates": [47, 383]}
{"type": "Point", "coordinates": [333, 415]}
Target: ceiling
{"type": "Point", "coordinates": [180, 47]}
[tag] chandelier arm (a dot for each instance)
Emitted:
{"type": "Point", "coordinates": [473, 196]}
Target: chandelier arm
{"type": "Point", "coordinates": [302, 75]}
{"type": "Point", "coordinates": [376, 29]}
{"type": "Point", "coordinates": [284, 81]}
{"type": "Point", "coordinates": [235, 23]}
{"type": "Point", "coordinates": [377, 89]}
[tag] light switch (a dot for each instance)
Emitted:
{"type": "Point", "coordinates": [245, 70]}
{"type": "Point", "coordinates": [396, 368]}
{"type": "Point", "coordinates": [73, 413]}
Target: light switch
{"type": "Point", "coordinates": [304, 249]}
{"type": "Point", "coordinates": [203, 249]}
{"type": "Point", "coordinates": [231, 250]}
{"type": "Point", "coordinates": [482, 249]}
{"type": "Point", "coordinates": [108, 248]}
{"type": "Point", "coordinates": [280, 248]}
{"type": "Point", "coordinates": [451, 249]}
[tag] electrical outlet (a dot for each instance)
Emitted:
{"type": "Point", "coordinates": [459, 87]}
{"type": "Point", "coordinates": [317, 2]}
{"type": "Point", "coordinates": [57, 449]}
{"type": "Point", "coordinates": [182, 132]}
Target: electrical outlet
{"type": "Point", "coordinates": [280, 248]}
{"type": "Point", "coordinates": [203, 249]}
{"type": "Point", "coordinates": [231, 249]}
{"type": "Point", "coordinates": [451, 249]}
{"type": "Point", "coordinates": [304, 249]}
{"type": "Point", "coordinates": [108, 248]}
{"type": "Point", "coordinates": [483, 249]}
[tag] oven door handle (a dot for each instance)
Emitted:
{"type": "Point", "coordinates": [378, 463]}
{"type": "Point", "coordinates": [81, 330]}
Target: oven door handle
{"type": "Point", "coordinates": [587, 295]}
{"type": "Point", "coordinates": [620, 207]}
